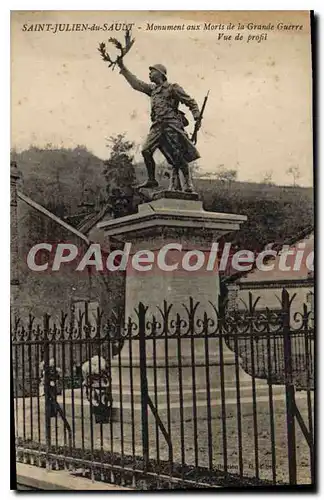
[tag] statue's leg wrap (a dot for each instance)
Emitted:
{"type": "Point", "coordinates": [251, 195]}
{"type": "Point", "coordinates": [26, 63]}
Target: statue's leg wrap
{"type": "Point", "coordinates": [149, 163]}
{"type": "Point", "coordinates": [187, 182]}
{"type": "Point", "coordinates": [175, 184]}
{"type": "Point", "coordinates": [150, 167]}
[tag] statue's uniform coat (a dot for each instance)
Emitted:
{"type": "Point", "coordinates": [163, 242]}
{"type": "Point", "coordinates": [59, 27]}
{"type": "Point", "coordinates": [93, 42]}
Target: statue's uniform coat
{"type": "Point", "coordinates": [167, 132]}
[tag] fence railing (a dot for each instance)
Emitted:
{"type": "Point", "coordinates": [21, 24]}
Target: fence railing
{"type": "Point", "coordinates": [177, 397]}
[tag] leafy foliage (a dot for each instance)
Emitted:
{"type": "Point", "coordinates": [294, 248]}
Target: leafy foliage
{"type": "Point", "coordinates": [119, 168]}
{"type": "Point", "coordinates": [120, 176]}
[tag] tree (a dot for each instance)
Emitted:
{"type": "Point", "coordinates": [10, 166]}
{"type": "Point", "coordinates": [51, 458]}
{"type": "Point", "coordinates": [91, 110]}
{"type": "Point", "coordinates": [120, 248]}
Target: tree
{"type": "Point", "coordinates": [163, 171]}
{"type": "Point", "coordinates": [267, 179]}
{"type": "Point", "coordinates": [294, 171]}
{"type": "Point", "coordinates": [195, 169]}
{"type": "Point", "coordinates": [225, 174]}
{"type": "Point", "coordinates": [120, 175]}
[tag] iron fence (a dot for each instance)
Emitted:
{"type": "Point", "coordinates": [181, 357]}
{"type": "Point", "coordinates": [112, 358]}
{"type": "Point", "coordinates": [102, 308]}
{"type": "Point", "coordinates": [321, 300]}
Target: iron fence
{"type": "Point", "coordinates": [176, 398]}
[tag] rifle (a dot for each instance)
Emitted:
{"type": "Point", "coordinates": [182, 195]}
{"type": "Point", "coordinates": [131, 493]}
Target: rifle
{"type": "Point", "coordinates": [198, 122]}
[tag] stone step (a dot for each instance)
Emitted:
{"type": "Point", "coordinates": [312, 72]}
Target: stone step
{"type": "Point", "coordinates": [77, 405]}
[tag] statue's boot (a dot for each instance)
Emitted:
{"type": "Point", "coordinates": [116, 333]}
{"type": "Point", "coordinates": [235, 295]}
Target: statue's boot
{"type": "Point", "coordinates": [150, 167]}
{"type": "Point", "coordinates": [150, 183]}
{"type": "Point", "coordinates": [175, 184]}
{"type": "Point", "coordinates": [187, 182]}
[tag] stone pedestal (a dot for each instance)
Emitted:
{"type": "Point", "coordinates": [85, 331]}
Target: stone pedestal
{"type": "Point", "coordinates": [174, 218]}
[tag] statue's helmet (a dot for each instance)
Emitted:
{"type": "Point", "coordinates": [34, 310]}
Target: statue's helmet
{"type": "Point", "coordinates": [160, 68]}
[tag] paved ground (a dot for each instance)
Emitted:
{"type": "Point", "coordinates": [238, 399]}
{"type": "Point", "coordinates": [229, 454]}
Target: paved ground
{"type": "Point", "coordinates": [202, 443]}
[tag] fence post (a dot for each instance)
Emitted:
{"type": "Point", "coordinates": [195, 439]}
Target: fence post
{"type": "Point", "coordinates": [144, 389]}
{"type": "Point", "coordinates": [47, 391]}
{"type": "Point", "coordinates": [310, 374]}
{"type": "Point", "coordinates": [290, 389]}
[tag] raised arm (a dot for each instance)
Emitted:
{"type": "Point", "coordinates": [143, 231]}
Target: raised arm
{"type": "Point", "coordinates": [134, 82]}
{"type": "Point", "coordinates": [185, 99]}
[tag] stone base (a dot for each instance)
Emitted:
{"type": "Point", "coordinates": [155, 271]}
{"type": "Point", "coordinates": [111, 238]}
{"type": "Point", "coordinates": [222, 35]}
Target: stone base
{"type": "Point", "coordinates": [175, 195]}
{"type": "Point", "coordinates": [174, 217]}
{"type": "Point", "coordinates": [166, 372]}
{"type": "Point", "coordinates": [34, 478]}
{"type": "Point", "coordinates": [129, 411]}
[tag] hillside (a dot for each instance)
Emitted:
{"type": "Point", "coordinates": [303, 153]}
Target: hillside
{"type": "Point", "coordinates": [275, 213]}
{"type": "Point", "coordinates": [62, 180]}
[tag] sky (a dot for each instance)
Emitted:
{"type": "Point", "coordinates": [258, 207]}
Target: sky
{"type": "Point", "coordinates": [258, 118]}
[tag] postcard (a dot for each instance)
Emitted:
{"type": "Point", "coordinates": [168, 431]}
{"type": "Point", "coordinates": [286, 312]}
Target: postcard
{"type": "Point", "coordinates": [162, 249]}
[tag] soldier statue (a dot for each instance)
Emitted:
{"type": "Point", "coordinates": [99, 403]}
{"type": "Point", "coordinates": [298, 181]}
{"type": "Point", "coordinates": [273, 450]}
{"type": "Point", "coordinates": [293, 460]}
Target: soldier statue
{"type": "Point", "coordinates": [167, 132]}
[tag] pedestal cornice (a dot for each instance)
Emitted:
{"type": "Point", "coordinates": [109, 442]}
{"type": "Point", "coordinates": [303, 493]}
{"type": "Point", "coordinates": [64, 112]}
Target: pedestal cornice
{"type": "Point", "coordinates": [171, 213]}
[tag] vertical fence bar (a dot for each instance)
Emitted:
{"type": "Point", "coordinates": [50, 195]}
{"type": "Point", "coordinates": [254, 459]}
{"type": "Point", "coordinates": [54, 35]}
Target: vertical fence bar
{"type": "Point", "coordinates": [255, 415]}
{"type": "Point", "coordinates": [47, 391]}
{"type": "Point", "coordinates": [221, 339]}
{"type": "Point", "coordinates": [182, 444]}
{"type": "Point", "coordinates": [83, 352]}
{"type": "Point", "coordinates": [308, 391]}
{"type": "Point", "coordinates": [38, 335]}
{"type": "Point", "coordinates": [207, 374]}
{"type": "Point", "coordinates": [290, 390]}
{"type": "Point", "coordinates": [82, 344]}
{"type": "Point", "coordinates": [16, 382]}
{"type": "Point", "coordinates": [238, 401]}
{"type": "Point", "coordinates": [22, 345]}
{"type": "Point", "coordinates": [167, 386]}
{"type": "Point", "coordinates": [253, 339]}
{"type": "Point", "coordinates": [264, 357]}
{"type": "Point", "coordinates": [87, 328]}
{"type": "Point", "coordinates": [276, 341]}
{"type": "Point", "coordinates": [194, 387]}
{"type": "Point", "coordinates": [111, 423]}
{"type": "Point", "coordinates": [30, 369]}
{"type": "Point", "coordinates": [157, 439]}
{"type": "Point", "coordinates": [144, 389]}
{"type": "Point", "coordinates": [100, 368]}
{"type": "Point", "coordinates": [271, 408]}
{"type": "Point", "coordinates": [131, 381]}
{"type": "Point", "coordinates": [71, 343]}
{"type": "Point", "coordinates": [107, 373]}
{"type": "Point", "coordinates": [91, 393]}
{"type": "Point", "coordinates": [57, 385]}
{"type": "Point", "coordinates": [121, 416]}
{"type": "Point", "coordinates": [62, 339]}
